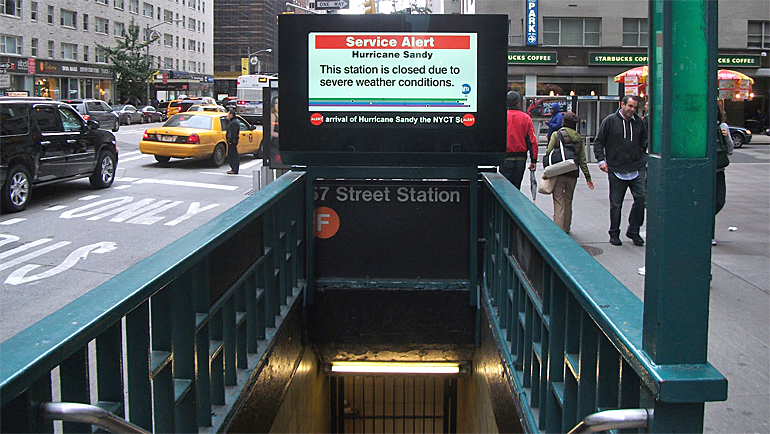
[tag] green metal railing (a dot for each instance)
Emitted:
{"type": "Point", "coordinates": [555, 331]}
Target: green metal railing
{"type": "Point", "coordinates": [569, 331]}
{"type": "Point", "coordinates": [173, 337]}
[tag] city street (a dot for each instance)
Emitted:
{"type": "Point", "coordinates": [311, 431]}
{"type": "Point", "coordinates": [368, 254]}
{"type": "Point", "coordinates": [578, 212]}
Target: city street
{"type": "Point", "coordinates": [72, 238]}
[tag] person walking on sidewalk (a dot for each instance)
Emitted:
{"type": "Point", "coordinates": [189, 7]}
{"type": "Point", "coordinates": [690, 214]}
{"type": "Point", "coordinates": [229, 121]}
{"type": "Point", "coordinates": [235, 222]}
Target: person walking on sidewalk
{"type": "Point", "coordinates": [725, 147]}
{"type": "Point", "coordinates": [520, 139]}
{"type": "Point", "coordinates": [564, 187]}
{"type": "Point", "coordinates": [231, 136]}
{"type": "Point", "coordinates": [556, 120]}
{"type": "Point", "coordinates": [621, 148]}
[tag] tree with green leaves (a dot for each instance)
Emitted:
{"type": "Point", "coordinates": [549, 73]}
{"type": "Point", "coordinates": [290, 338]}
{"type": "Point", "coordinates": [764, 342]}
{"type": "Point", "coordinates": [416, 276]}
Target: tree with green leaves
{"type": "Point", "coordinates": [412, 8]}
{"type": "Point", "coordinates": [130, 63]}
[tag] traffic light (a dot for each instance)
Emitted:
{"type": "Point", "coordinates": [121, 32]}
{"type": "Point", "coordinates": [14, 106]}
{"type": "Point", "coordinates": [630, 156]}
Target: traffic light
{"type": "Point", "coordinates": [370, 7]}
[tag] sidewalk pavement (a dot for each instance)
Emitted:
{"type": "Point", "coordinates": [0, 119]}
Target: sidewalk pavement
{"type": "Point", "coordinates": [739, 334]}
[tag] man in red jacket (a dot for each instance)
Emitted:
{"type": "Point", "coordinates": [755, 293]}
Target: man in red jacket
{"type": "Point", "coordinates": [520, 139]}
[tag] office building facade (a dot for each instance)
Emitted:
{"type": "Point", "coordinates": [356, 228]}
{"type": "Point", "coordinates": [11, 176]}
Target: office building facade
{"type": "Point", "coordinates": [51, 47]}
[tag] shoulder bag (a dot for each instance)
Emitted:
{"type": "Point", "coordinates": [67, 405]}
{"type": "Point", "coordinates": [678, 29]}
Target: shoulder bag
{"type": "Point", "coordinates": [560, 161]}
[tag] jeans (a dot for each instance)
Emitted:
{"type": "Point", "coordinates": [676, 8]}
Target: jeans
{"type": "Point", "coordinates": [514, 171]}
{"type": "Point", "coordinates": [232, 157]}
{"type": "Point", "coordinates": [721, 198]}
{"type": "Point", "coordinates": [638, 187]}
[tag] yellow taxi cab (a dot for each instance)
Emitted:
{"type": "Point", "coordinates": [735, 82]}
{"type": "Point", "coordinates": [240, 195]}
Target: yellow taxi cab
{"type": "Point", "coordinates": [173, 107]}
{"type": "Point", "coordinates": [199, 135]}
{"type": "Point", "coordinates": [207, 108]}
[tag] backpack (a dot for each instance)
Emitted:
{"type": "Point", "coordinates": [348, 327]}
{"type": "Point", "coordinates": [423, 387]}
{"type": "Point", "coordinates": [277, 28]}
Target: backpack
{"type": "Point", "coordinates": [723, 160]}
{"type": "Point", "coordinates": [563, 159]}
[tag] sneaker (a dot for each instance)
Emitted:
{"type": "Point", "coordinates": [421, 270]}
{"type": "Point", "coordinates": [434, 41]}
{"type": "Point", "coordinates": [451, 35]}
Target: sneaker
{"type": "Point", "coordinates": [713, 242]}
{"type": "Point", "coordinates": [615, 240]}
{"type": "Point", "coordinates": [230, 172]}
{"type": "Point", "coordinates": [636, 238]}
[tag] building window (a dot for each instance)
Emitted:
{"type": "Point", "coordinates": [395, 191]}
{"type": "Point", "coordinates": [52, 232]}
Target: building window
{"type": "Point", "coordinates": [11, 7]}
{"type": "Point", "coordinates": [10, 44]}
{"type": "Point", "coordinates": [69, 51]}
{"type": "Point", "coordinates": [634, 32]}
{"type": "Point", "coordinates": [147, 10]}
{"type": "Point", "coordinates": [119, 30]}
{"type": "Point", "coordinates": [158, 9]}
{"type": "Point", "coordinates": [183, 44]}
{"type": "Point", "coordinates": [103, 2]}
{"type": "Point", "coordinates": [577, 32]}
{"type": "Point", "coordinates": [168, 40]}
{"type": "Point", "coordinates": [118, 4]}
{"type": "Point", "coordinates": [68, 18]}
{"type": "Point", "coordinates": [85, 53]}
{"type": "Point", "coordinates": [168, 63]}
{"type": "Point", "coordinates": [85, 22]}
{"type": "Point", "coordinates": [192, 65]}
{"type": "Point", "coordinates": [177, 64]}
{"type": "Point", "coordinates": [204, 27]}
{"type": "Point", "coordinates": [133, 6]}
{"type": "Point", "coordinates": [33, 47]}
{"type": "Point", "coordinates": [50, 49]}
{"type": "Point", "coordinates": [184, 66]}
{"type": "Point", "coordinates": [100, 55]}
{"type": "Point", "coordinates": [102, 25]}
{"type": "Point", "coordinates": [759, 34]}
{"type": "Point", "coordinates": [204, 7]}
{"type": "Point", "coordinates": [168, 16]}
{"type": "Point", "coordinates": [33, 11]}
{"type": "Point", "coordinates": [50, 14]}
{"type": "Point", "coordinates": [191, 24]}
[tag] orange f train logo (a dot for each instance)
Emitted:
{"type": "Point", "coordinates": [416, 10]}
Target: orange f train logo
{"type": "Point", "coordinates": [326, 222]}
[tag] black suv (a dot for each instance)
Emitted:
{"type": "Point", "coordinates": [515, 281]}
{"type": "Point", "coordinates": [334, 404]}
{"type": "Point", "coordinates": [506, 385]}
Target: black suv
{"type": "Point", "coordinates": [96, 110]}
{"type": "Point", "coordinates": [44, 142]}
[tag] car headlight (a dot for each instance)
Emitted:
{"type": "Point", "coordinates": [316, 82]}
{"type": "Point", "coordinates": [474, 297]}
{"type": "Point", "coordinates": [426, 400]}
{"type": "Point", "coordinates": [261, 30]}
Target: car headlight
{"type": "Point", "coordinates": [748, 133]}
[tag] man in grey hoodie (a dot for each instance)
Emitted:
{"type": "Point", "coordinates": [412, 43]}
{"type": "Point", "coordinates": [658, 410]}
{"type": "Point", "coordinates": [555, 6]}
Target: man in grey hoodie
{"type": "Point", "coordinates": [621, 148]}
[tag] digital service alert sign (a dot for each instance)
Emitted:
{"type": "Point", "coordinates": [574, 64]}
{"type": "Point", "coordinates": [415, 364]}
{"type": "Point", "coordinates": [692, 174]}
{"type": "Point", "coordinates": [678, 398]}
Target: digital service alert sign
{"type": "Point", "coordinates": [375, 72]}
{"type": "Point", "coordinates": [392, 85]}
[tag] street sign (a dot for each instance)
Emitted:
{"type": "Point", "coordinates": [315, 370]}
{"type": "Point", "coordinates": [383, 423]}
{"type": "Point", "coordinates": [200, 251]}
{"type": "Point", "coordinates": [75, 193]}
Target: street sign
{"type": "Point", "coordinates": [6, 65]}
{"type": "Point", "coordinates": [254, 60]}
{"type": "Point", "coordinates": [332, 4]}
{"type": "Point", "coordinates": [5, 81]}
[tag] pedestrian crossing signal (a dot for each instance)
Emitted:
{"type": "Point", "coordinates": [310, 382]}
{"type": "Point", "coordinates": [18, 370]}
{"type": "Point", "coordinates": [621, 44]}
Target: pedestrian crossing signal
{"type": "Point", "coordinates": [370, 7]}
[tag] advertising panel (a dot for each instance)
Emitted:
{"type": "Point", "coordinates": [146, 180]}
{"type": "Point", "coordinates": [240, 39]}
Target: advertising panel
{"type": "Point", "coordinates": [392, 89]}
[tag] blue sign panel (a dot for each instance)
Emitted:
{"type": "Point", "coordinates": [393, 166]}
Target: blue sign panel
{"type": "Point", "coordinates": [531, 22]}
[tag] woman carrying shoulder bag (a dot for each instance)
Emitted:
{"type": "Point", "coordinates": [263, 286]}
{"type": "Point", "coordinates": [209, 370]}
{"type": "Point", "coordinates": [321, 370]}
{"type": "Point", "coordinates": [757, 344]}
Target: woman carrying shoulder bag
{"type": "Point", "coordinates": [725, 148]}
{"type": "Point", "coordinates": [564, 186]}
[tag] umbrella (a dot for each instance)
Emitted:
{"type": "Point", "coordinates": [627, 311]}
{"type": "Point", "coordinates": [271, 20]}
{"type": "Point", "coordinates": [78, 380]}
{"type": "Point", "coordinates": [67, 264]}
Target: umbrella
{"type": "Point", "coordinates": [640, 71]}
{"type": "Point", "coordinates": [533, 184]}
{"type": "Point", "coordinates": [729, 74]}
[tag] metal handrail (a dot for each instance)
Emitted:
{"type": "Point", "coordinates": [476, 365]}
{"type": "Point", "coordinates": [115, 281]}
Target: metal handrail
{"type": "Point", "coordinates": [84, 413]}
{"type": "Point", "coordinates": [614, 419]}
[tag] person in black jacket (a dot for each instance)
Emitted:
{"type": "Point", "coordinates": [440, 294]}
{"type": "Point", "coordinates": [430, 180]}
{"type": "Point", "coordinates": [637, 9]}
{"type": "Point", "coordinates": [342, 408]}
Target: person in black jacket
{"type": "Point", "coordinates": [621, 147]}
{"type": "Point", "coordinates": [231, 136]}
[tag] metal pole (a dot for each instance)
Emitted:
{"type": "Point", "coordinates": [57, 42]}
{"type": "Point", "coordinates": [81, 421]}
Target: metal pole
{"type": "Point", "coordinates": [680, 201]}
{"type": "Point", "coordinates": [613, 419]}
{"type": "Point", "coordinates": [147, 55]}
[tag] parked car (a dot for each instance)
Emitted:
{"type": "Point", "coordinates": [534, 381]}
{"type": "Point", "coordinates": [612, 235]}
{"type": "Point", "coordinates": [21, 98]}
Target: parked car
{"type": "Point", "coordinates": [199, 135]}
{"type": "Point", "coordinates": [740, 136]}
{"type": "Point", "coordinates": [128, 114]}
{"type": "Point", "coordinates": [207, 108]}
{"type": "Point", "coordinates": [149, 114]}
{"type": "Point", "coordinates": [45, 142]}
{"type": "Point", "coordinates": [96, 110]}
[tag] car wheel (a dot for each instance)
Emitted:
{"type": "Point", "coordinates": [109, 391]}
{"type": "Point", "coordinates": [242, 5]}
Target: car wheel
{"type": "Point", "coordinates": [116, 127]}
{"type": "Point", "coordinates": [219, 155]}
{"type": "Point", "coordinates": [162, 159]}
{"type": "Point", "coordinates": [144, 120]}
{"type": "Point", "coordinates": [128, 120]}
{"type": "Point", "coordinates": [737, 140]}
{"type": "Point", "coordinates": [17, 189]}
{"type": "Point", "coordinates": [104, 172]}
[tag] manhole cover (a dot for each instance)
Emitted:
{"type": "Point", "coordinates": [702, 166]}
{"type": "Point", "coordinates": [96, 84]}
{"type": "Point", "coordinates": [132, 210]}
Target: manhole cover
{"type": "Point", "coordinates": [593, 251]}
